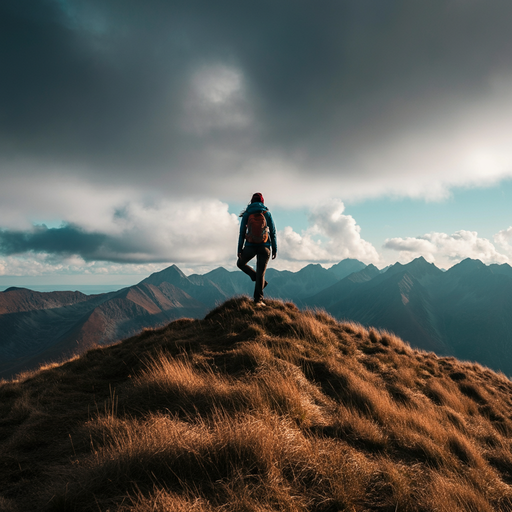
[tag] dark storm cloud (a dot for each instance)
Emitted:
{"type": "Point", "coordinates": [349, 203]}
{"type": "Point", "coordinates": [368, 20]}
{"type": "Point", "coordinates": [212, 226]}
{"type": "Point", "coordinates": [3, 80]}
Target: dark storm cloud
{"type": "Point", "coordinates": [71, 240]}
{"type": "Point", "coordinates": [101, 85]}
{"type": "Point", "coordinates": [63, 240]}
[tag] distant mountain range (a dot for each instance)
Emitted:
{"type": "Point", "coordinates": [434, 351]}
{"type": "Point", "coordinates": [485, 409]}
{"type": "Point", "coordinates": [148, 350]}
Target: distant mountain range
{"type": "Point", "coordinates": [465, 312]}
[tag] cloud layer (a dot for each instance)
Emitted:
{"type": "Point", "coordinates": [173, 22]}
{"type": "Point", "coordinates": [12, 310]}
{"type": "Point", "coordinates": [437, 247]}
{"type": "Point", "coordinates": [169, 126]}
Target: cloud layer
{"type": "Point", "coordinates": [181, 232]}
{"type": "Point", "coordinates": [124, 123]}
{"type": "Point", "coordinates": [192, 234]}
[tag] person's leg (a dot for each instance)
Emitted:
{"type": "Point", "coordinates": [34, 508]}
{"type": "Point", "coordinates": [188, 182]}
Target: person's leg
{"type": "Point", "coordinates": [248, 253]}
{"type": "Point", "coordinates": [263, 255]}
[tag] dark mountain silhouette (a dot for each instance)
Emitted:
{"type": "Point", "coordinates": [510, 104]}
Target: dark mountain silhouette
{"type": "Point", "coordinates": [504, 268]}
{"type": "Point", "coordinates": [329, 296]}
{"type": "Point", "coordinates": [396, 300]}
{"type": "Point", "coordinates": [296, 286]}
{"type": "Point", "coordinates": [231, 283]}
{"type": "Point", "coordinates": [257, 409]}
{"type": "Point", "coordinates": [465, 312]}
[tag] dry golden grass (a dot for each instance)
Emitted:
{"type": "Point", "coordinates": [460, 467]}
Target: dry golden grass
{"type": "Point", "coordinates": [254, 410]}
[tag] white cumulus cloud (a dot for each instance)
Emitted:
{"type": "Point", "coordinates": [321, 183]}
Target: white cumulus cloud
{"type": "Point", "coordinates": [178, 231]}
{"type": "Point", "coordinates": [504, 237]}
{"type": "Point", "coordinates": [446, 250]}
{"type": "Point", "coordinates": [330, 237]}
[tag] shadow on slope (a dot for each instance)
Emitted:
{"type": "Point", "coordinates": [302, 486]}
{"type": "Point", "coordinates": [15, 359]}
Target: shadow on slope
{"type": "Point", "coordinates": [257, 409]}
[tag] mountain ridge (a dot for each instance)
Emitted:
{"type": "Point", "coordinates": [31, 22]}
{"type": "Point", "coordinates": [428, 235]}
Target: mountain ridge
{"type": "Point", "coordinates": [462, 312]}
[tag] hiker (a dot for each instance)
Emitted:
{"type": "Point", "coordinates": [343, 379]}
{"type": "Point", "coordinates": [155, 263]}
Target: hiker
{"type": "Point", "coordinates": [259, 233]}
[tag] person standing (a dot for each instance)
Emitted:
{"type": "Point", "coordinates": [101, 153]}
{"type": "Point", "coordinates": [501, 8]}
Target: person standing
{"type": "Point", "coordinates": [257, 238]}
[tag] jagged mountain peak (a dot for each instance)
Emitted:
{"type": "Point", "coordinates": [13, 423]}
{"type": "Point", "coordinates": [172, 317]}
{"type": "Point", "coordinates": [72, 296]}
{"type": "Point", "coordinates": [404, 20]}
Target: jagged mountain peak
{"type": "Point", "coordinates": [219, 271]}
{"type": "Point", "coordinates": [419, 267]}
{"type": "Point", "coordinates": [420, 260]}
{"type": "Point", "coordinates": [172, 274]}
{"type": "Point", "coordinates": [423, 265]}
{"type": "Point", "coordinates": [367, 273]}
{"type": "Point", "coordinates": [312, 267]}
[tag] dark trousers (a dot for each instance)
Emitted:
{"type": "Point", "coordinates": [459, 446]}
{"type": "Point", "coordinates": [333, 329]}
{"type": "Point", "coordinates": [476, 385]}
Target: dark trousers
{"type": "Point", "coordinates": [262, 253]}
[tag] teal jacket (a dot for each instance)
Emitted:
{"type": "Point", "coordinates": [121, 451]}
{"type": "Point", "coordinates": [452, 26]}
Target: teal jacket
{"type": "Point", "coordinates": [254, 208]}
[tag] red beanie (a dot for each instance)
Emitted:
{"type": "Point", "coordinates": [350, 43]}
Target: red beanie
{"type": "Point", "coordinates": [257, 198]}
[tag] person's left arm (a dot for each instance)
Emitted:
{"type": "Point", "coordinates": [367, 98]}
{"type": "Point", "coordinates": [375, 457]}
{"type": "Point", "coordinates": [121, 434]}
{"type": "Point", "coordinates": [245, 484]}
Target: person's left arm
{"type": "Point", "coordinates": [272, 233]}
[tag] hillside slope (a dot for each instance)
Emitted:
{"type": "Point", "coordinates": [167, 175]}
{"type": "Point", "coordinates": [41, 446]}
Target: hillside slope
{"type": "Point", "coordinates": [257, 409]}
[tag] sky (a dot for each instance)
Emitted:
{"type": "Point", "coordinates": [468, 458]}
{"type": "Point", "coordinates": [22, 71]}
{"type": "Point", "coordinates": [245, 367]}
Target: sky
{"type": "Point", "coordinates": [132, 133]}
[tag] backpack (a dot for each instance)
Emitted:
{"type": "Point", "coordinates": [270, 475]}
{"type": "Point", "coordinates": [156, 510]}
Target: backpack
{"type": "Point", "coordinates": [257, 229]}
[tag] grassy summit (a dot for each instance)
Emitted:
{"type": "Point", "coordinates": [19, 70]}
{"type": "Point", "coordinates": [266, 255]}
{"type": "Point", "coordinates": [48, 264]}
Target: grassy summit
{"type": "Point", "coordinates": [257, 409]}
